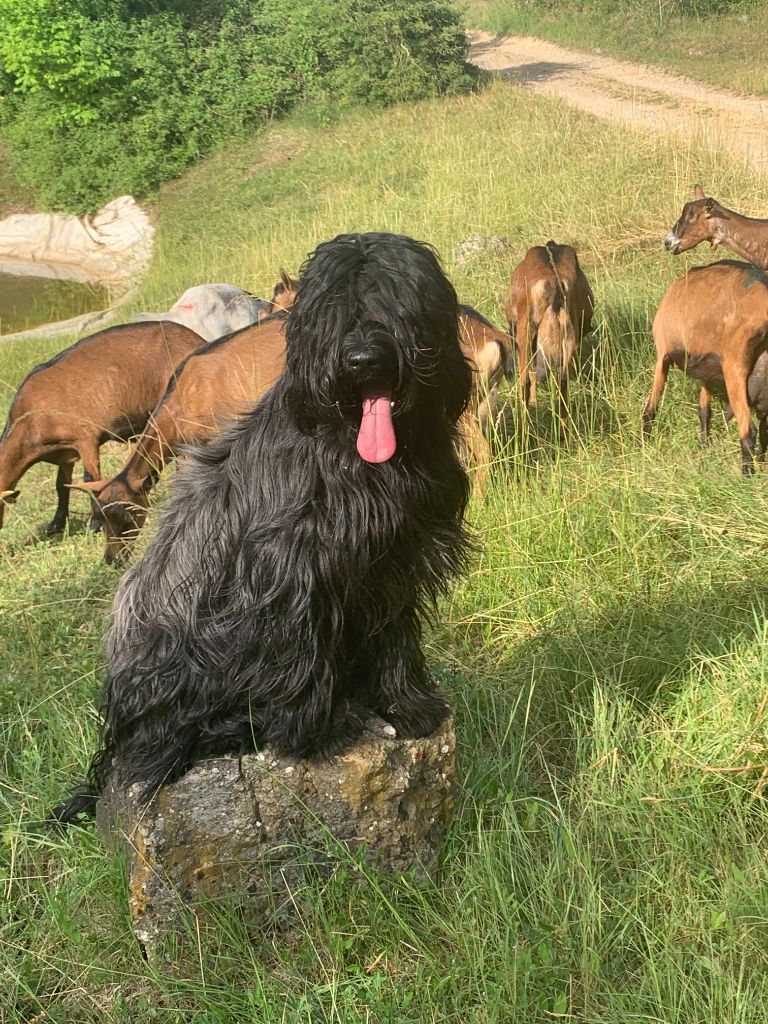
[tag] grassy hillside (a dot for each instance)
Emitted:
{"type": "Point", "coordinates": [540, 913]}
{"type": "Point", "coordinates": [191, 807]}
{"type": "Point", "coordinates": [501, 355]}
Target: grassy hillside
{"type": "Point", "coordinates": [606, 656]}
{"type": "Point", "coordinates": [724, 49]}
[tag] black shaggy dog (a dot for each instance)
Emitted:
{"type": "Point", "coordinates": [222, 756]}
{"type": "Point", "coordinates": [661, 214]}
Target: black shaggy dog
{"type": "Point", "coordinates": [280, 599]}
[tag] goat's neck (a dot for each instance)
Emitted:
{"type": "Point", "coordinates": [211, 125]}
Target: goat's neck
{"type": "Point", "coordinates": [747, 236]}
{"type": "Point", "coordinates": [16, 456]}
{"type": "Point", "coordinates": [147, 460]}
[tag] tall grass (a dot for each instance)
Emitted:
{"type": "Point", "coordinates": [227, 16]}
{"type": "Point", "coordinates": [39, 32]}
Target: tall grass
{"type": "Point", "coordinates": [606, 656]}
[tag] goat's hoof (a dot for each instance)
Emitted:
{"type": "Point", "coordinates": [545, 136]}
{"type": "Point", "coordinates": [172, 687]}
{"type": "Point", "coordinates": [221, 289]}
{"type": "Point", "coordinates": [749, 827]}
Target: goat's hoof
{"type": "Point", "coordinates": [95, 526]}
{"type": "Point", "coordinates": [54, 528]}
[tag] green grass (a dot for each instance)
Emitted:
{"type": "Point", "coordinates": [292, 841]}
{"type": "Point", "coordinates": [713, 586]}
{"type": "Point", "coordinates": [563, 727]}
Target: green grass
{"type": "Point", "coordinates": [606, 656]}
{"type": "Point", "coordinates": [725, 50]}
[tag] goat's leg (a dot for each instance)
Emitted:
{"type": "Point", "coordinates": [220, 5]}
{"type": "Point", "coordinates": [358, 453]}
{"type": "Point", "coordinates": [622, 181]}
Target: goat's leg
{"type": "Point", "coordinates": [735, 377]}
{"type": "Point", "coordinates": [562, 388]}
{"type": "Point", "coordinates": [476, 447]}
{"type": "Point", "coordinates": [705, 411]}
{"type": "Point", "coordinates": [522, 335]}
{"type": "Point", "coordinates": [533, 372]}
{"type": "Point", "coordinates": [659, 383]}
{"type": "Point", "coordinates": [523, 358]}
{"type": "Point", "coordinates": [762, 438]}
{"type": "Point", "coordinates": [63, 480]}
{"type": "Point", "coordinates": [89, 453]}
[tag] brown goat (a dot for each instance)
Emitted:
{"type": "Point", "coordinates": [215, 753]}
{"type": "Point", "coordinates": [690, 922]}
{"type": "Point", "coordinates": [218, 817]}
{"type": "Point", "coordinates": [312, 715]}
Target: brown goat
{"type": "Point", "coordinates": [705, 220]}
{"type": "Point", "coordinates": [102, 388]}
{"type": "Point", "coordinates": [214, 385]}
{"type": "Point", "coordinates": [549, 307]}
{"type": "Point", "coordinates": [284, 293]}
{"type": "Point", "coordinates": [489, 352]}
{"type": "Point", "coordinates": [713, 324]}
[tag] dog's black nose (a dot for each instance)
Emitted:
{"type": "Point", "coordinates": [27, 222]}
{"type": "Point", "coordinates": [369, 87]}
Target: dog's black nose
{"type": "Point", "coordinates": [365, 360]}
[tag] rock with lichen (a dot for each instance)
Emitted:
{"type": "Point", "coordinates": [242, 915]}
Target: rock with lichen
{"type": "Point", "coordinates": [252, 826]}
{"type": "Point", "coordinates": [478, 246]}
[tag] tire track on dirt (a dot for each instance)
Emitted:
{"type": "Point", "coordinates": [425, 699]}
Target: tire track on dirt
{"type": "Point", "coordinates": [629, 93]}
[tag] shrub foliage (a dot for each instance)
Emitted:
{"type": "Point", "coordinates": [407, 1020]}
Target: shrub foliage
{"type": "Point", "coordinates": [655, 10]}
{"type": "Point", "coordinates": [102, 97]}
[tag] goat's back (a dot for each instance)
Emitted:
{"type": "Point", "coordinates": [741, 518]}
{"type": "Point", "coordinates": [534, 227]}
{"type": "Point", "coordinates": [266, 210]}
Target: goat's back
{"type": "Point", "coordinates": [718, 309]}
{"type": "Point", "coordinates": [214, 310]}
{"type": "Point", "coordinates": [224, 379]}
{"type": "Point", "coordinates": [547, 277]}
{"type": "Point", "coordinates": [110, 379]}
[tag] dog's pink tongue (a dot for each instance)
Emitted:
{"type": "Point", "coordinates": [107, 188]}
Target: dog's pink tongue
{"type": "Point", "coordinates": [376, 439]}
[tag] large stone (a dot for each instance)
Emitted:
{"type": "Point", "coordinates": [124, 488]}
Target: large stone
{"type": "Point", "coordinates": [252, 826]}
{"type": "Point", "coordinates": [485, 246]}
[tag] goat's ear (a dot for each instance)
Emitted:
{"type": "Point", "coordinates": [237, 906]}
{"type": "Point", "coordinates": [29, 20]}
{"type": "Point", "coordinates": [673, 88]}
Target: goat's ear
{"type": "Point", "coordinates": [90, 487]}
{"type": "Point", "coordinates": [710, 205]}
{"type": "Point", "coordinates": [291, 283]}
{"type": "Point", "coordinates": [698, 192]}
{"type": "Point", "coordinates": [8, 497]}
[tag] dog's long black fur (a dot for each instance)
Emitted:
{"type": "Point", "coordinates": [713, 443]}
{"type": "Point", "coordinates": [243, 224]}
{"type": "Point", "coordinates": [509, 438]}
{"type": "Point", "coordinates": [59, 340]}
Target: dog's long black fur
{"type": "Point", "coordinates": [281, 597]}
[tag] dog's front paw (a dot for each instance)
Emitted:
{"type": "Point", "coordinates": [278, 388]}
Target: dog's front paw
{"type": "Point", "coordinates": [417, 719]}
{"type": "Point", "coordinates": [378, 727]}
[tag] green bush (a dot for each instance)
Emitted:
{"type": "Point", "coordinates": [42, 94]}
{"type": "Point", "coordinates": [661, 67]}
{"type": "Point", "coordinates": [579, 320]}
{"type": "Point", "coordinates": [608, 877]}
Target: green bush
{"type": "Point", "coordinates": [150, 86]}
{"type": "Point", "coordinates": [654, 10]}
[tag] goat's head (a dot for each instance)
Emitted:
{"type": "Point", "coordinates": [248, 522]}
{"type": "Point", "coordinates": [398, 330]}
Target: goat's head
{"type": "Point", "coordinates": [701, 221]}
{"type": "Point", "coordinates": [121, 511]}
{"type": "Point", "coordinates": [285, 291]}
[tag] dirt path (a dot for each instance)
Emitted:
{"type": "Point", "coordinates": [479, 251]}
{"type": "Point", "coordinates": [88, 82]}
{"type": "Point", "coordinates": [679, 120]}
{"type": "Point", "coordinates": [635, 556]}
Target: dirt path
{"type": "Point", "coordinates": [630, 93]}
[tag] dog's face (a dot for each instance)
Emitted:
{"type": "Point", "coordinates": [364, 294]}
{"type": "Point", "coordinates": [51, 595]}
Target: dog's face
{"type": "Point", "coordinates": [373, 344]}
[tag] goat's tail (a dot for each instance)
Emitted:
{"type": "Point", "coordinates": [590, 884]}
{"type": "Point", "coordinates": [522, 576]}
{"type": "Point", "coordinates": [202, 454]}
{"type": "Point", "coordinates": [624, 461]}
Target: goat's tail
{"type": "Point", "coordinates": [557, 300]}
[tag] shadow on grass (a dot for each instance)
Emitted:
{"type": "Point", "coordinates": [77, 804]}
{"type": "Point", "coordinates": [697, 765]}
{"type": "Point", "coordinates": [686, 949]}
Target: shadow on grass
{"type": "Point", "coordinates": [522, 441]}
{"type": "Point", "coordinates": [37, 533]}
{"type": "Point", "coordinates": [646, 647]}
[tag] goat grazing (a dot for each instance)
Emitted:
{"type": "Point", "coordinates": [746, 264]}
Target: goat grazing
{"type": "Point", "coordinates": [488, 350]}
{"type": "Point", "coordinates": [713, 324]}
{"type": "Point", "coordinates": [102, 388]}
{"type": "Point", "coordinates": [213, 310]}
{"type": "Point", "coordinates": [705, 220]}
{"type": "Point", "coordinates": [216, 384]}
{"type": "Point", "coordinates": [549, 307]}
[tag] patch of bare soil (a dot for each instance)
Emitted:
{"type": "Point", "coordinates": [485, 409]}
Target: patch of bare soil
{"type": "Point", "coordinates": [629, 93]}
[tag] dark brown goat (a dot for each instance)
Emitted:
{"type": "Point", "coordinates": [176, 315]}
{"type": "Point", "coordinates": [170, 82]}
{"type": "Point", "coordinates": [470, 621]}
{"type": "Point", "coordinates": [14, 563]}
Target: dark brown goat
{"type": "Point", "coordinates": [713, 324]}
{"type": "Point", "coordinates": [213, 386]}
{"type": "Point", "coordinates": [549, 307]}
{"type": "Point", "coordinates": [705, 220]}
{"type": "Point", "coordinates": [101, 389]}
